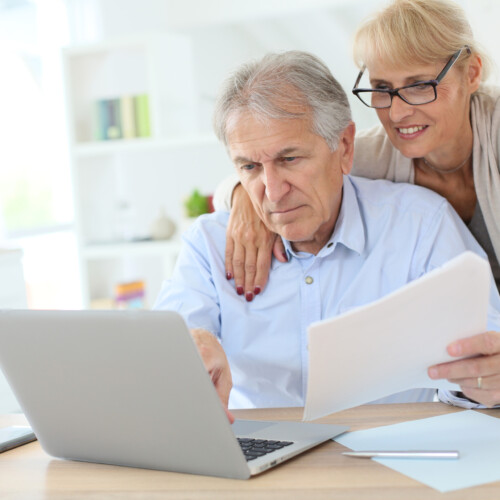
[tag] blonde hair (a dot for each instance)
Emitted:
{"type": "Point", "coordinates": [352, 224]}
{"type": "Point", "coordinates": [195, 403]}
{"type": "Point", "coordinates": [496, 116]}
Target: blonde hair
{"type": "Point", "coordinates": [417, 32]}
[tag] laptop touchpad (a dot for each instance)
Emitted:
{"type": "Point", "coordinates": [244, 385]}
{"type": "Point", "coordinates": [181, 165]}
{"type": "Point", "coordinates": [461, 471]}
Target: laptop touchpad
{"type": "Point", "coordinates": [245, 427]}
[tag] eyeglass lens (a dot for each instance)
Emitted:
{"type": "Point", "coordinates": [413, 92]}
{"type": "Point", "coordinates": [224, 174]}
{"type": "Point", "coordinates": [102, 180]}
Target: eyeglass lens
{"type": "Point", "coordinates": [418, 94]}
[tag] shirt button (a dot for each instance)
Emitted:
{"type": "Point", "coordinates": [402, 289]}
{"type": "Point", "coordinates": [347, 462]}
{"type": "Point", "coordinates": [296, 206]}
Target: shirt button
{"type": "Point", "coordinates": [329, 244]}
{"type": "Point", "coordinates": [309, 280]}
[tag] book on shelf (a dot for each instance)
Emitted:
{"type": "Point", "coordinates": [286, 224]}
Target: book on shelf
{"type": "Point", "coordinates": [130, 295]}
{"type": "Point", "coordinates": [108, 119]}
{"type": "Point", "coordinates": [126, 117]}
{"type": "Point", "coordinates": [142, 115]}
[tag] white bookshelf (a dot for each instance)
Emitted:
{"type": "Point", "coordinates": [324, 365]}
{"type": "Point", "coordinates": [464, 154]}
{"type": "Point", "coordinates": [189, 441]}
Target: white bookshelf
{"type": "Point", "coordinates": [120, 185]}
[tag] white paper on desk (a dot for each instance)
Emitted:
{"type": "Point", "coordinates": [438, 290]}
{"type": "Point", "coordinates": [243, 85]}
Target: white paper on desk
{"type": "Point", "coordinates": [386, 347]}
{"type": "Point", "coordinates": [475, 435]}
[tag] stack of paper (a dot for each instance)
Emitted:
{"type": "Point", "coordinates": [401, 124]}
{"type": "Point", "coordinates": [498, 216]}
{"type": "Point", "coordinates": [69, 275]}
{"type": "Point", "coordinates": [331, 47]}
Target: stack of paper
{"type": "Point", "coordinates": [387, 346]}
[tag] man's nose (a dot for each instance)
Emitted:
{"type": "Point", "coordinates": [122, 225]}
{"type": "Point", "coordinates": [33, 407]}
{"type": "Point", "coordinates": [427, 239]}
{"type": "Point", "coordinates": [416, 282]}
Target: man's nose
{"type": "Point", "coordinates": [276, 185]}
{"type": "Point", "coordinates": [399, 109]}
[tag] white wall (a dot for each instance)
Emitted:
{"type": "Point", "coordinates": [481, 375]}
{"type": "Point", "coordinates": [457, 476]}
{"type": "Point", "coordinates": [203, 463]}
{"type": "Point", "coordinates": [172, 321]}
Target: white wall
{"type": "Point", "coordinates": [226, 33]}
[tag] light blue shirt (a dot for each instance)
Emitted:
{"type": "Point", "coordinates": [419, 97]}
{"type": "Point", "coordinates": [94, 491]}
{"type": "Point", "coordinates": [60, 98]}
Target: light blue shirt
{"type": "Point", "coordinates": [386, 235]}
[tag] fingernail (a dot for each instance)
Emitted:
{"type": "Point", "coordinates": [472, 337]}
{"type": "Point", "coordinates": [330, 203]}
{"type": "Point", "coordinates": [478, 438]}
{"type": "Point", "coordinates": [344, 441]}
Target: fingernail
{"type": "Point", "coordinates": [433, 373]}
{"type": "Point", "coordinates": [249, 296]}
{"type": "Point", "coordinates": [285, 256]}
{"type": "Point", "coordinates": [239, 290]}
{"type": "Point", "coordinates": [229, 276]}
{"type": "Point", "coordinates": [257, 290]}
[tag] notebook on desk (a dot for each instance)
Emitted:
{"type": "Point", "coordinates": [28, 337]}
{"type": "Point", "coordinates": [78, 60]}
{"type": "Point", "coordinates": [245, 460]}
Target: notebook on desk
{"type": "Point", "coordinates": [129, 388]}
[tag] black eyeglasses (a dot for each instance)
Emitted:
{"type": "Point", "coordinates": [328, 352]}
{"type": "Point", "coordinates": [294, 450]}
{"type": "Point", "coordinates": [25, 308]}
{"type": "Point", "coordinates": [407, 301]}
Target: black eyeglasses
{"type": "Point", "coordinates": [416, 94]}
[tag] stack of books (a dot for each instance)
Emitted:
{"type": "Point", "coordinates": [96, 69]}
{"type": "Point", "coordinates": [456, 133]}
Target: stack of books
{"type": "Point", "coordinates": [130, 295]}
{"type": "Point", "coordinates": [126, 117]}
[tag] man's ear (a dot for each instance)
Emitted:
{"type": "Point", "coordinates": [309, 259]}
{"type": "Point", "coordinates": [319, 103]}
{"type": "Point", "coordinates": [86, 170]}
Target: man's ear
{"type": "Point", "coordinates": [346, 148]}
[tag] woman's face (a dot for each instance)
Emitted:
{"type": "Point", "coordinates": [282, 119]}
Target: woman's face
{"type": "Point", "coordinates": [437, 128]}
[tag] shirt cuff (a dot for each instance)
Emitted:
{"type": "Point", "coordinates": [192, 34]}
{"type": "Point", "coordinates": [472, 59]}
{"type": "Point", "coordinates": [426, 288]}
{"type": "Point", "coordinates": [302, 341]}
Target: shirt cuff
{"type": "Point", "coordinates": [224, 193]}
{"type": "Point", "coordinates": [458, 399]}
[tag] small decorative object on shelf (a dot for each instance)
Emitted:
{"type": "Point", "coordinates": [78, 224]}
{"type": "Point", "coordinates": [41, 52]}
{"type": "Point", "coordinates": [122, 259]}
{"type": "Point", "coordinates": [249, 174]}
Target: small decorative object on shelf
{"type": "Point", "coordinates": [195, 205]}
{"type": "Point", "coordinates": [130, 295]}
{"type": "Point", "coordinates": [163, 227]}
{"type": "Point", "coordinates": [126, 117]}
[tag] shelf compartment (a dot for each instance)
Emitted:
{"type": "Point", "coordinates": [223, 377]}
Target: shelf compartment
{"type": "Point", "coordinates": [168, 249]}
{"type": "Point", "coordinates": [95, 148]}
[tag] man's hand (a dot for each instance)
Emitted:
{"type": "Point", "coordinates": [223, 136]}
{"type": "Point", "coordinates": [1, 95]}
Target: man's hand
{"type": "Point", "coordinates": [479, 375]}
{"type": "Point", "coordinates": [249, 247]}
{"type": "Point", "coordinates": [215, 361]}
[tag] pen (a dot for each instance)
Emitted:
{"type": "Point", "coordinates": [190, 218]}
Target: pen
{"type": "Point", "coordinates": [403, 454]}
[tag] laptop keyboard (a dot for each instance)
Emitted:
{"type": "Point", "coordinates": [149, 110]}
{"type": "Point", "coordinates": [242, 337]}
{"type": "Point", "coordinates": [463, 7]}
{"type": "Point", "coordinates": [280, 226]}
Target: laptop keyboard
{"type": "Point", "coordinates": [255, 448]}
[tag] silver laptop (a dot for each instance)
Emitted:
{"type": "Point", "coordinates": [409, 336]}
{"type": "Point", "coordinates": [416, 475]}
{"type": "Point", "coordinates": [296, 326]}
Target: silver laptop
{"type": "Point", "coordinates": [129, 388]}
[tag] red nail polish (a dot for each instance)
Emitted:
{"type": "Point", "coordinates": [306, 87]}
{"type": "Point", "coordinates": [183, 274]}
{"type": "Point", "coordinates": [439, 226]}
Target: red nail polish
{"type": "Point", "coordinates": [229, 276]}
{"type": "Point", "coordinates": [239, 290]}
{"type": "Point", "coordinates": [249, 296]}
{"type": "Point", "coordinates": [257, 290]}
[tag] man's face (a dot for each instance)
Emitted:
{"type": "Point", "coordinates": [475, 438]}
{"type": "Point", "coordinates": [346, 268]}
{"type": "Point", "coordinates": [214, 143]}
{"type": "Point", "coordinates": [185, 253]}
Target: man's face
{"type": "Point", "coordinates": [292, 177]}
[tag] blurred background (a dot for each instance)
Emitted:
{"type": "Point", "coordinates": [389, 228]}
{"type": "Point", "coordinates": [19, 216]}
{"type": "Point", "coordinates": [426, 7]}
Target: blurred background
{"type": "Point", "coordinates": [106, 147]}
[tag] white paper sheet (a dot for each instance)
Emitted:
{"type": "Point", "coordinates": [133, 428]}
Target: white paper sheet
{"type": "Point", "coordinates": [386, 347]}
{"type": "Point", "coordinates": [474, 435]}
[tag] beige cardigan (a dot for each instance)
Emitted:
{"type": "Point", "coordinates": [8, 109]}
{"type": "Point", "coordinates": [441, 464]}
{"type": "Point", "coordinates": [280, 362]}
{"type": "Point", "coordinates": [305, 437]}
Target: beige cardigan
{"type": "Point", "coordinates": [376, 158]}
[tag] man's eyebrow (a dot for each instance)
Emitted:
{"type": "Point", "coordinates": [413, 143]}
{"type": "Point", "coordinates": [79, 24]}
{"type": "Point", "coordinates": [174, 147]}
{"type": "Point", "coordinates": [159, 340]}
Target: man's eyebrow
{"type": "Point", "coordinates": [240, 160]}
{"type": "Point", "coordinates": [286, 151]}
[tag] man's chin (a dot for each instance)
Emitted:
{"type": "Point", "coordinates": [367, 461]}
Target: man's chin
{"type": "Point", "coordinates": [292, 234]}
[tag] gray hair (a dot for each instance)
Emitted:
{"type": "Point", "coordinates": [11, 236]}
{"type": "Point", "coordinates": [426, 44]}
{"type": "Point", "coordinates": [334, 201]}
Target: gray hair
{"type": "Point", "coordinates": [290, 85]}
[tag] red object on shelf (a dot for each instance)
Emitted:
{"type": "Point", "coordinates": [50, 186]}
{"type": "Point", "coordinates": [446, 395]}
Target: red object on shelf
{"type": "Point", "coordinates": [210, 200]}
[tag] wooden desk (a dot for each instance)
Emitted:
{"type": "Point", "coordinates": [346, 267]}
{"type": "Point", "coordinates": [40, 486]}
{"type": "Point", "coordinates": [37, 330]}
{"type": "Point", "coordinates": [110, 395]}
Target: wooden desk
{"type": "Point", "coordinates": [27, 472]}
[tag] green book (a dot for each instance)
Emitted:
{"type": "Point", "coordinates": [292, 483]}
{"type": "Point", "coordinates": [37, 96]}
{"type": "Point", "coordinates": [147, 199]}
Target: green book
{"type": "Point", "coordinates": [142, 121]}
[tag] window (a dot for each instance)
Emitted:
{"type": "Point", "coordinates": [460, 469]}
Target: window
{"type": "Point", "coordinates": [36, 210]}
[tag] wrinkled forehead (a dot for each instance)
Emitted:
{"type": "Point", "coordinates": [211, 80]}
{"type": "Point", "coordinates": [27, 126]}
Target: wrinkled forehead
{"type": "Point", "coordinates": [238, 118]}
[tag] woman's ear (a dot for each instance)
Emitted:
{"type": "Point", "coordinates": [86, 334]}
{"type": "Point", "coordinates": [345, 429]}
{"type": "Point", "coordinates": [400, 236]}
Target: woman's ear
{"type": "Point", "coordinates": [474, 72]}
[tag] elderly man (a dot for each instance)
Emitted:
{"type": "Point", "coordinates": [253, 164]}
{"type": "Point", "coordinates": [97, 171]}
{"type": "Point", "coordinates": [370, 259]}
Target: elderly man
{"type": "Point", "coordinates": [287, 127]}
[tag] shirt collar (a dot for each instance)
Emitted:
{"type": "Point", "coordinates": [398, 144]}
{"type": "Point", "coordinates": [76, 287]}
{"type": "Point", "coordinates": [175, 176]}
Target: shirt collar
{"type": "Point", "coordinates": [349, 228]}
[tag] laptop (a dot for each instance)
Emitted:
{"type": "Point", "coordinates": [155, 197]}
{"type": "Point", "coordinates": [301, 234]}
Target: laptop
{"type": "Point", "coordinates": [129, 388]}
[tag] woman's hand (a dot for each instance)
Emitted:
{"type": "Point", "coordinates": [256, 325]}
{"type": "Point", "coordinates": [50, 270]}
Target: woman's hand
{"type": "Point", "coordinates": [478, 375]}
{"type": "Point", "coordinates": [249, 247]}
